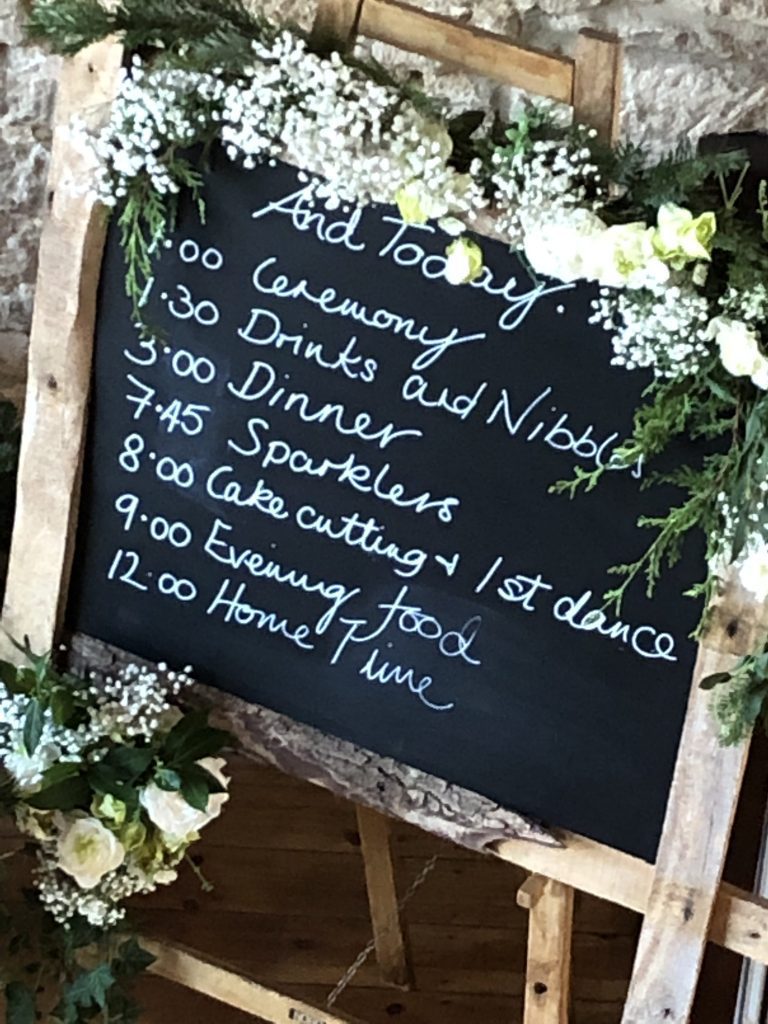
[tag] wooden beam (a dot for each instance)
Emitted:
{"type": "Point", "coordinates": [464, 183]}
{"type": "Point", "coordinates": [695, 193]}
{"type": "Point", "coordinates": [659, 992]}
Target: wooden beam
{"type": "Point", "coordinates": [472, 49]}
{"type": "Point", "coordinates": [335, 24]}
{"type": "Point", "coordinates": [548, 964]}
{"type": "Point", "coordinates": [597, 83]}
{"type": "Point", "coordinates": [697, 828]}
{"type": "Point", "coordinates": [185, 968]}
{"type": "Point", "coordinates": [529, 893]}
{"type": "Point", "coordinates": [388, 934]}
{"type": "Point", "coordinates": [60, 346]}
{"type": "Point", "coordinates": [740, 919]}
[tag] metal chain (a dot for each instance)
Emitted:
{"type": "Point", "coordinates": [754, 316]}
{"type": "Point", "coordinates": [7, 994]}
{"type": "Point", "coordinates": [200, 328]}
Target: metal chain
{"type": "Point", "coordinates": [366, 951]}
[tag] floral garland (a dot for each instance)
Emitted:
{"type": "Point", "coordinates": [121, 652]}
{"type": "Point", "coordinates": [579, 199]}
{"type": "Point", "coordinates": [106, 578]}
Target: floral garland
{"type": "Point", "coordinates": [109, 784]}
{"type": "Point", "coordinates": [681, 269]}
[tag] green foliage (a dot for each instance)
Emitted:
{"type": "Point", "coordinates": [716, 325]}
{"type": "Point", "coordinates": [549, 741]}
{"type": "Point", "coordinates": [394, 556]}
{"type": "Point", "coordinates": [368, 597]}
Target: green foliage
{"type": "Point", "coordinates": [682, 176]}
{"type": "Point", "coordinates": [739, 697]}
{"type": "Point", "coordinates": [90, 973]}
{"type": "Point", "coordinates": [209, 31]}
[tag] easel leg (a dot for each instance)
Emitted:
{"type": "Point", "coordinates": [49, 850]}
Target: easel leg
{"type": "Point", "coordinates": [391, 948]}
{"type": "Point", "coordinates": [548, 968]}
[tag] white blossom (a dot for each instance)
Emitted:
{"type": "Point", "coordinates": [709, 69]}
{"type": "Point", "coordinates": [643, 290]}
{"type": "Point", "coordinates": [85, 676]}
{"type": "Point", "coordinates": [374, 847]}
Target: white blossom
{"type": "Point", "coordinates": [87, 850]}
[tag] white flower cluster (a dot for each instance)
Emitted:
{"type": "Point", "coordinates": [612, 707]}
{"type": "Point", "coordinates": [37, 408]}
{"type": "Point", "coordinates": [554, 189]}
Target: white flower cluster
{"type": "Point", "coordinates": [318, 112]}
{"type": "Point", "coordinates": [750, 306]}
{"type": "Point", "coordinates": [533, 189]}
{"type": "Point", "coordinates": [101, 906]}
{"type": "Point", "coordinates": [90, 861]}
{"type": "Point", "coordinates": [153, 111]}
{"type": "Point", "coordinates": [666, 329]}
{"type": "Point", "coordinates": [136, 702]}
{"type": "Point", "coordinates": [56, 744]}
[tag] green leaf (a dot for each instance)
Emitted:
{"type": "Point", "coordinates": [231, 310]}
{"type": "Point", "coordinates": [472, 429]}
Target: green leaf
{"type": "Point", "coordinates": [62, 706]}
{"type": "Point", "coordinates": [129, 762]}
{"type": "Point", "coordinates": [192, 739]}
{"type": "Point", "coordinates": [24, 681]}
{"type": "Point", "coordinates": [8, 675]}
{"type": "Point", "coordinates": [66, 795]}
{"type": "Point", "coordinates": [60, 771]}
{"type": "Point", "coordinates": [104, 779]}
{"type": "Point", "coordinates": [716, 679]}
{"type": "Point", "coordinates": [197, 784]}
{"type": "Point", "coordinates": [168, 779]}
{"type": "Point", "coordinates": [33, 725]}
{"type": "Point", "coordinates": [132, 959]}
{"type": "Point", "coordinates": [195, 791]}
{"type": "Point", "coordinates": [90, 988]}
{"type": "Point", "coordinates": [20, 1004]}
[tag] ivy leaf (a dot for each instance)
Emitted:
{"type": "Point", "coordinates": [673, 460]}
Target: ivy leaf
{"type": "Point", "coordinates": [710, 682]}
{"type": "Point", "coordinates": [132, 959]}
{"type": "Point", "coordinates": [65, 795]}
{"type": "Point", "coordinates": [20, 1004]}
{"type": "Point", "coordinates": [33, 725]}
{"type": "Point", "coordinates": [91, 987]}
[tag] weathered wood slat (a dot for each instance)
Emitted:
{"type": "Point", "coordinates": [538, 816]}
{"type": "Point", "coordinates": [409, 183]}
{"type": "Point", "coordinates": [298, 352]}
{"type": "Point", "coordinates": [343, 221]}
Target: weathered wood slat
{"type": "Point", "coordinates": [597, 83]}
{"type": "Point", "coordinates": [60, 345]}
{"type": "Point", "coordinates": [550, 939]}
{"type": "Point", "coordinates": [345, 769]}
{"type": "Point", "coordinates": [739, 921]}
{"type": "Point", "coordinates": [335, 24]}
{"type": "Point", "coordinates": [473, 49]}
{"type": "Point", "coordinates": [697, 827]}
{"type": "Point", "coordinates": [388, 929]}
{"type": "Point", "coordinates": [233, 989]}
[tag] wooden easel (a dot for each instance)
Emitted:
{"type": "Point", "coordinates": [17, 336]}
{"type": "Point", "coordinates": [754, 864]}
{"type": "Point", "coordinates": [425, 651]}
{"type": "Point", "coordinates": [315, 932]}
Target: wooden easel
{"type": "Point", "coordinates": [681, 898]}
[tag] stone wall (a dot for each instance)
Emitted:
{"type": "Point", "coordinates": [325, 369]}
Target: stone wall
{"type": "Point", "coordinates": [692, 66]}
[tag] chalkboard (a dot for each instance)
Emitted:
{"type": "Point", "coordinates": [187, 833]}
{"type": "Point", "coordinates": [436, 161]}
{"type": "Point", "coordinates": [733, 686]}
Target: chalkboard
{"type": "Point", "coordinates": [324, 485]}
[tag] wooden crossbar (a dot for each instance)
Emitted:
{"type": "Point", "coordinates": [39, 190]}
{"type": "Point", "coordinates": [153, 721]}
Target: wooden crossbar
{"type": "Point", "coordinates": [216, 981]}
{"type": "Point", "coordinates": [590, 83]}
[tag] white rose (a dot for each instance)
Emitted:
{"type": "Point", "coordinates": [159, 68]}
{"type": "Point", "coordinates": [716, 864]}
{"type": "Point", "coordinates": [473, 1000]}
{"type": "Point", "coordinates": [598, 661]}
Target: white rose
{"type": "Point", "coordinates": [753, 570]}
{"type": "Point", "coordinates": [739, 350]}
{"type": "Point", "coordinates": [87, 851]}
{"type": "Point", "coordinates": [622, 256]}
{"type": "Point", "coordinates": [560, 248]}
{"type": "Point", "coordinates": [171, 813]}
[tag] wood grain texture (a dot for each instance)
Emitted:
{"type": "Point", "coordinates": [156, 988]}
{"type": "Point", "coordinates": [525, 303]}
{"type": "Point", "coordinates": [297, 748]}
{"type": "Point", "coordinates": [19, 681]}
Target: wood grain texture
{"type": "Point", "coordinates": [381, 886]}
{"type": "Point", "coordinates": [217, 982]}
{"type": "Point", "coordinates": [548, 960]}
{"type": "Point", "coordinates": [60, 349]}
{"type": "Point", "coordinates": [739, 921]}
{"type": "Point", "coordinates": [472, 49]}
{"type": "Point", "coordinates": [597, 83]}
{"type": "Point", "coordinates": [349, 771]}
{"type": "Point", "coordinates": [697, 828]}
{"type": "Point", "coordinates": [335, 24]}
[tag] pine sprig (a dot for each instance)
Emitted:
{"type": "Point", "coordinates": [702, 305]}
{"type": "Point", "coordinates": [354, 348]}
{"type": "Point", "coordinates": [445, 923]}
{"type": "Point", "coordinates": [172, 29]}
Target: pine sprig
{"type": "Point", "coordinates": [195, 25]}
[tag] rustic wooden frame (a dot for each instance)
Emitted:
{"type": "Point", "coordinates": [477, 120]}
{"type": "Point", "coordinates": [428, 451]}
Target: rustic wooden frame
{"type": "Point", "coordinates": [682, 899]}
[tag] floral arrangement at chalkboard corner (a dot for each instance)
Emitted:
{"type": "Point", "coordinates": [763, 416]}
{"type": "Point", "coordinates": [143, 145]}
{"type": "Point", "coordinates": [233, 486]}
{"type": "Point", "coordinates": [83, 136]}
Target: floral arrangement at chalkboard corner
{"type": "Point", "coordinates": [676, 247]}
{"type": "Point", "coordinates": [109, 783]}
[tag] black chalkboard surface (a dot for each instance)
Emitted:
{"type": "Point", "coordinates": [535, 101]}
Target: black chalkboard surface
{"type": "Point", "coordinates": [325, 486]}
